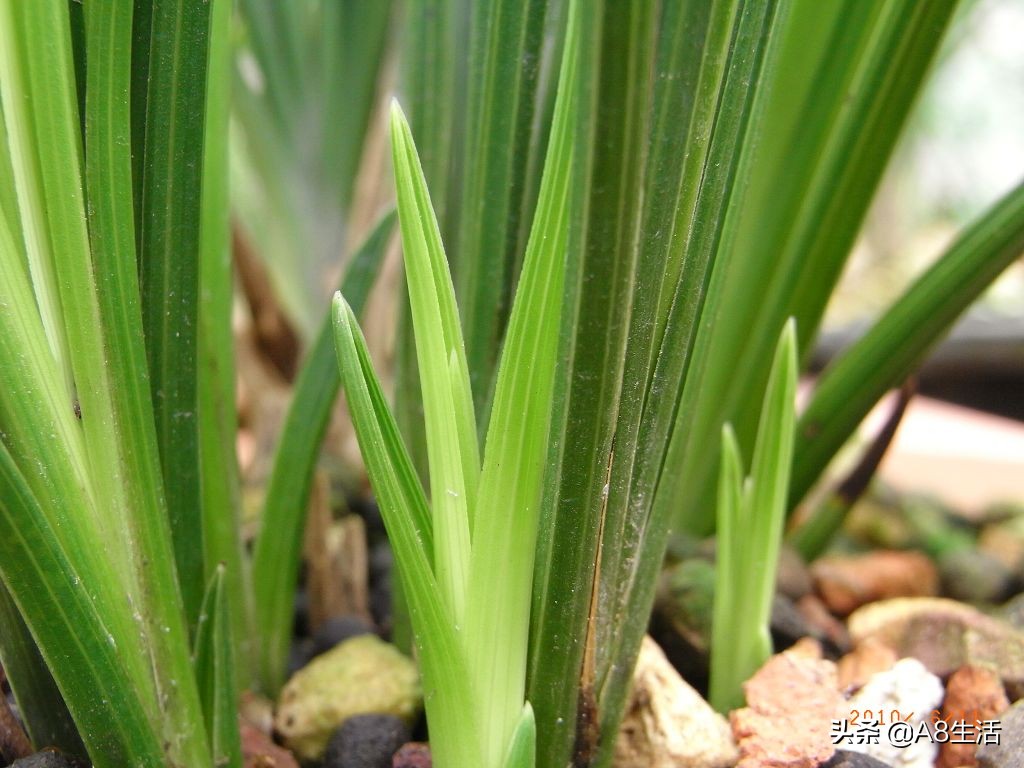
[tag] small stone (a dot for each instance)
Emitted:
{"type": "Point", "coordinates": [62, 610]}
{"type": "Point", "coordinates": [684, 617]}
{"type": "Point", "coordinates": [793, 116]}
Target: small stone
{"type": "Point", "coordinates": [338, 629]}
{"type": "Point", "coordinates": [787, 720]}
{"type": "Point", "coordinates": [944, 635]}
{"type": "Point", "coordinates": [972, 576]}
{"type": "Point", "coordinates": [787, 623]}
{"type": "Point", "coordinates": [1009, 751]}
{"type": "Point", "coordinates": [1012, 611]}
{"type": "Point", "coordinates": [907, 692]}
{"type": "Point", "coordinates": [366, 741]}
{"type": "Point", "coordinates": [415, 754]}
{"type": "Point", "coordinates": [972, 694]}
{"type": "Point", "coordinates": [793, 578]}
{"type": "Point", "coordinates": [846, 582]}
{"type": "Point", "coordinates": [668, 723]}
{"type": "Point", "coordinates": [48, 758]}
{"type": "Point", "coordinates": [826, 627]}
{"type": "Point", "coordinates": [258, 751]}
{"type": "Point", "coordinates": [867, 659]}
{"type": "Point", "coordinates": [361, 675]}
{"type": "Point", "coordinates": [844, 759]}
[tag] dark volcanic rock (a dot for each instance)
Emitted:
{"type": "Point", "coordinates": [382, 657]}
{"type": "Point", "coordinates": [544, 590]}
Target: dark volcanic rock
{"type": "Point", "coordinates": [366, 741]}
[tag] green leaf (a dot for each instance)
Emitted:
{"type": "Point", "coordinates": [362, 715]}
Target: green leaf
{"type": "Point", "coordinates": [902, 337]}
{"type": "Point", "coordinates": [751, 516]}
{"type": "Point", "coordinates": [505, 57]}
{"type": "Point", "coordinates": [839, 93]}
{"type": "Point", "coordinates": [444, 377]}
{"type": "Point", "coordinates": [731, 44]}
{"type": "Point", "coordinates": [169, 244]}
{"type": "Point", "coordinates": [72, 634]}
{"type": "Point", "coordinates": [40, 704]}
{"type": "Point", "coordinates": [219, 474]}
{"type": "Point", "coordinates": [522, 750]}
{"type": "Point", "coordinates": [451, 707]}
{"type": "Point", "coordinates": [214, 670]}
{"type": "Point", "coordinates": [508, 505]}
{"type": "Point", "coordinates": [275, 565]}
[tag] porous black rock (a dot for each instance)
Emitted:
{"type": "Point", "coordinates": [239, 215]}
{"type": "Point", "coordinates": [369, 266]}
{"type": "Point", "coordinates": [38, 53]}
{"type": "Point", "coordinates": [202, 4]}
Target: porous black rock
{"type": "Point", "coordinates": [366, 741]}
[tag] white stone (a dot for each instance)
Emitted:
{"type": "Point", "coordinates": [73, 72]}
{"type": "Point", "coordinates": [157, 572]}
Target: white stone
{"type": "Point", "coordinates": [908, 692]}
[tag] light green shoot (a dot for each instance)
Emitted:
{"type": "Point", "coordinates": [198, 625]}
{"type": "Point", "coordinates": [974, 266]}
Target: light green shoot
{"type": "Point", "coordinates": [751, 515]}
{"type": "Point", "coordinates": [467, 563]}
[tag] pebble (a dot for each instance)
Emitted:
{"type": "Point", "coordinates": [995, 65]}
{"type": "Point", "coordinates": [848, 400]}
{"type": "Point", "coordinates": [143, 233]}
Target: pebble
{"type": "Point", "coordinates": [1009, 752]}
{"type": "Point", "coordinates": [846, 582]}
{"type": "Point", "coordinates": [793, 578]}
{"type": "Point", "coordinates": [258, 751]}
{"type": "Point", "coordinates": [908, 689]}
{"type": "Point", "coordinates": [866, 660]}
{"type": "Point", "coordinates": [972, 694]}
{"type": "Point", "coordinates": [826, 627]}
{"type": "Point", "coordinates": [787, 720]}
{"type": "Point", "coordinates": [415, 754]}
{"type": "Point", "coordinates": [667, 723]}
{"type": "Point", "coordinates": [844, 759]}
{"type": "Point", "coordinates": [46, 759]}
{"type": "Point", "coordinates": [366, 741]}
{"type": "Point", "coordinates": [973, 576]}
{"type": "Point", "coordinates": [944, 635]}
{"type": "Point", "coordinates": [361, 675]}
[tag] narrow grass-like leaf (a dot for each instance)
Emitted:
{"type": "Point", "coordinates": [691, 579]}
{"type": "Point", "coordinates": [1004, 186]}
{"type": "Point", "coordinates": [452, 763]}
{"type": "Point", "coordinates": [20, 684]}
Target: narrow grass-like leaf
{"type": "Point", "coordinates": [451, 708]}
{"type": "Point", "coordinates": [751, 515]}
{"type": "Point", "coordinates": [522, 750]}
{"type": "Point", "coordinates": [840, 92]}
{"type": "Point", "coordinates": [214, 670]}
{"type": "Point", "coordinates": [901, 338]}
{"type": "Point", "coordinates": [505, 56]}
{"type": "Point", "coordinates": [40, 704]}
{"type": "Point", "coordinates": [729, 536]}
{"type": "Point", "coordinates": [735, 60]}
{"type": "Point", "coordinates": [72, 635]}
{"type": "Point", "coordinates": [275, 565]}
{"type": "Point", "coordinates": [169, 266]}
{"type": "Point", "coordinates": [505, 526]}
{"type": "Point", "coordinates": [218, 426]}
{"type": "Point", "coordinates": [444, 377]}
{"type": "Point", "coordinates": [28, 218]}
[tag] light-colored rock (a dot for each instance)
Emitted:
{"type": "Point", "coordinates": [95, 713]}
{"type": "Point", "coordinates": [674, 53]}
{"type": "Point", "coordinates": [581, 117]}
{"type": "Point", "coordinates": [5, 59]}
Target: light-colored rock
{"type": "Point", "coordinates": [846, 582]}
{"type": "Point", "coordinates": [907, 692]}
{"type": "Point", "coordinates": [944, 635]}
{"type": "Point", "coordinates": [786, 723]}
{"type": "Point", "coordinates": [668, 724]}
{"type": "Point", "coordinates": [973, 694]}
{"type": "Point", "coordinates": [362, 675]}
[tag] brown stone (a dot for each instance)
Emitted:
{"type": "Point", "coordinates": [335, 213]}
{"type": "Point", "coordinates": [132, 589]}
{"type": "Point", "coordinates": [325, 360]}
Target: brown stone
{"type": "Point", "coordinates": [787, 720]}
{"type": "Point", "coordinates": [846, 582]}
{"type": "Point", "coordinates": [868, 658]}
{"type": "Point", "coordinates": [816, 613]}
{"type": "Point", "coordinates": [414, 754]}
{"type": "Point", "coordinates": [258, 751]}
{"type": "Point", "coordinates": [972, 694]}
{"type": "Point", "coordinates": [944, 635]}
